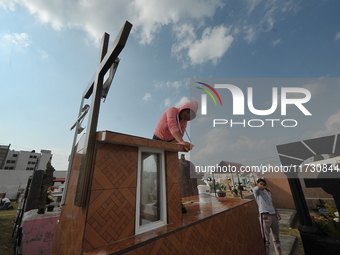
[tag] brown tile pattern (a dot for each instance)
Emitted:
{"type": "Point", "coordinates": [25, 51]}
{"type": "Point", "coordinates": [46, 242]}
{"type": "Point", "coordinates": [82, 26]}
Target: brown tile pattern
{"type": "Point", "coordinates": [224, 226]}
{"type": "Point", "coordinates": [174, 209]}
{"type": "Point", "coordinates": [171, 244]}
{"type": "Point", "coordinates": [115, 167]}
{"type": "Point", "coordinates": [233, 229]}
{"type": "Point", "coordinates": [172, 167]}
{"type": "Point", "coordinates": [68, 234]}
{"type": "Point", "coordinates": [174, 203]}
{"type": "Point", "coordinates": [113, 137]}
{"type": "Point", "coordinates": [113, 195]}
{"type": "Point", "coordinates": [110, 217]}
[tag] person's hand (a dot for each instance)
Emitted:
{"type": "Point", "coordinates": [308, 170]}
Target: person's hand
{"type": "Point", "coordinates": [187, 146]}
{"type": "Point", "coordinates": [278, 215]}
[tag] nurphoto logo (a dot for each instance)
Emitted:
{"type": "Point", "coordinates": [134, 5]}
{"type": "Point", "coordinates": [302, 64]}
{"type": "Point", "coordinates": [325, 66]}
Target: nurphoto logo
{"type": "Point", "coordinates": [282, 97]}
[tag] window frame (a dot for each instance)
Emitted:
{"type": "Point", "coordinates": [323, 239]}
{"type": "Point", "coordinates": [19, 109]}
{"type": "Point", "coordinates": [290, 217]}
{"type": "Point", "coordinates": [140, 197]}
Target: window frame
{"type": "Point", "coordinates": [162, 192]}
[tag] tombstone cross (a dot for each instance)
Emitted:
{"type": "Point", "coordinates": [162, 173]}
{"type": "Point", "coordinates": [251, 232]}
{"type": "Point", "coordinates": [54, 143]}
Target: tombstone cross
{"type": "Point", "coordinates": [108, 61]}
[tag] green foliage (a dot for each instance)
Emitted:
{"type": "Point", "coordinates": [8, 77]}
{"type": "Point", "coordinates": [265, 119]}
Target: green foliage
{"type": "Point", "coordinates": [235, 191]}
{"type": "Point", "coordinates": [218, 185]}
{"type": "Point", "coordinates": [328, 225]}
{"type": "Point", "coordinates": [49, 166]}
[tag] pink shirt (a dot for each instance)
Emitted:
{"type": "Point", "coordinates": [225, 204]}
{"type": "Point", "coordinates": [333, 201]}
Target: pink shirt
{"type": "Point", "coordinates": [169, 122]}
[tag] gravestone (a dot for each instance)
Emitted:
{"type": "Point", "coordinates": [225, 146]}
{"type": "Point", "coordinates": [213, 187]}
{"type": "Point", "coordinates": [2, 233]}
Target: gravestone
{"type": "Point", "coordinates": [41, 181]}
{"type": "Point", "coordinates": [188, 178]}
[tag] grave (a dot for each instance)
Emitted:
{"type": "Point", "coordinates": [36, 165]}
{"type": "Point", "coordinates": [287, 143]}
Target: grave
{"type": "Point", "coordinates": [123, 193]}
{"type": "Point", "coordinates": [294, 154]}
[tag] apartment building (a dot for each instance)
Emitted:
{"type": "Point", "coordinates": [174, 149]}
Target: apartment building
{"type": "Point", "coordinates": [27, 160]}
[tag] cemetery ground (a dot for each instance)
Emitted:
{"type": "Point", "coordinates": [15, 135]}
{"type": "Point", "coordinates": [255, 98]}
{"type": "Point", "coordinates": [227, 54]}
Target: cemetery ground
{"type": "Point", "coordinates": [7, 242]}
{"type": "Point", "coordinates": [7, 218]}
{"type": "Point", "coordinates": [297, 247]}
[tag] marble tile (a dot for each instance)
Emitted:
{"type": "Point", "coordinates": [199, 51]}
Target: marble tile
{"type": "Point", "coordinates": [114, 137]}
{"type": "Point", "coordinates": [171, 244]}
{"type": "Point", "coordinates": [118, 138]}
{"type": "Point", "coordinates": [200, 232]}
{"type": "Point", "coordinates": [172, 167]}
{"type": "Point", "coordinates": [174, 207]}
{"type": "Point", "coordinates": [111, 217]}
{"type": "Point", "coordinates": [106, 224]}
{"type": "Point", "coordinates": [115, 167]}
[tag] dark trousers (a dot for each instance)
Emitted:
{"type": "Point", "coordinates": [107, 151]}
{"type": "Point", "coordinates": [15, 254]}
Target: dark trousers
{"type": "Point", "coordinates": [5, 206]}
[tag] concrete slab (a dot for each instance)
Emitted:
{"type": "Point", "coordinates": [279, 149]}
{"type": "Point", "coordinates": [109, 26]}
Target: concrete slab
{"type": "Point", "coordinates": [287, 218]}
{"type": "Point", "coordinates": [287, 243]}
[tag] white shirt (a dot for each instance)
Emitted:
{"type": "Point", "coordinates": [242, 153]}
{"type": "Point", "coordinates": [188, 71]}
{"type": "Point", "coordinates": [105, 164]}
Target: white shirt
{"type": "Point", "coordinates": [263, 199]}
{"type": "Point", "coordinates": [6, 200]}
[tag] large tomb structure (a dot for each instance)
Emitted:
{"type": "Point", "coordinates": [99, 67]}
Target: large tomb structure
{"type": "Point", "coordinates": [134, 206]}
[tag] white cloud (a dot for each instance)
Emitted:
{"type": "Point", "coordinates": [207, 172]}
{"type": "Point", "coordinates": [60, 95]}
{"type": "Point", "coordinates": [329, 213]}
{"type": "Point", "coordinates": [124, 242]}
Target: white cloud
{"type": "Point", "coordinates": [213, 141]}
{"type": "Point", "coordinates": [43, 54]}
{"type": "Point", "coordinates": [332, 126]}
{"type": "Point", "coordinates": [337, 36]}
{"type": "Point", "coordinates": [171, 84]}
{"type": "Point", "coordinates": [7, 5]}
{"type": "Point", "coordinates": [270, 12]}
{"type": "Point", "coordinates": [252, 5]}
{"type": "Point", "coordinates": [152, 14]}
{"type": "Point", "coordinates": [211, 47]}
{"type": "Point", "coordinates": [314, 88]}
{"type": "Point", "coordinates": [250, 32]}
{"type": "Point", "coordinates": [166, 103]}
{"type": "Point", "coordinates": [147, 16]}
{"type": "Point", "coordinates": [213, 44]}
{"type": "Point", "coordinates": [181, 101]}
{"type": "Point", "coordinates": [222, 144]}
{"type": "Point", "coordinates": [277, 42]}
{"type": "Point", "coordinates": [147, 97]}
{"type": "Point", "coordinates": [202, 119]}
{"type": "Point", "coordinates": [15, 39]}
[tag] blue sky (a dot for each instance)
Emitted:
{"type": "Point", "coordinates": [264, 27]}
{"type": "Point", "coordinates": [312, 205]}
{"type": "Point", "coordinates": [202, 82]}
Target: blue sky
{"type": "Point", "coordinates": [49, 53]}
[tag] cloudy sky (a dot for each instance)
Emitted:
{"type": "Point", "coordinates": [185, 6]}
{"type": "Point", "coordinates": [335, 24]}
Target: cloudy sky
{"type": "Point", "coordinates": [49, 52]}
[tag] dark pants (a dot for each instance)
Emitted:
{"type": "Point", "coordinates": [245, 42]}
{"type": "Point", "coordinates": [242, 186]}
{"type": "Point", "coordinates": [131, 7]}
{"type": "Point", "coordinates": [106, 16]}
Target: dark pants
{"type": "Point", "coordinates": [156, 138]}
{"type": "Point", "coordinates": [5, 206]}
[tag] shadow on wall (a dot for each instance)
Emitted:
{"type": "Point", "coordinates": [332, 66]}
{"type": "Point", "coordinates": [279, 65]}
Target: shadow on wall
{"type": "Point", "coordinates": [281, 193]}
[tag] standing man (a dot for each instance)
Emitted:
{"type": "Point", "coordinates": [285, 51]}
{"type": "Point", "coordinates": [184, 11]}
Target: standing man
{"type": "Point", "coordinates": [269, 217]}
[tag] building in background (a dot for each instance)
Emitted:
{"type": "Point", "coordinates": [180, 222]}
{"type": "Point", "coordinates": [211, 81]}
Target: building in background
{"type": "Point", "coordinates": [25, 160]}
{"type": "Point", "coordinates": [4, 149]}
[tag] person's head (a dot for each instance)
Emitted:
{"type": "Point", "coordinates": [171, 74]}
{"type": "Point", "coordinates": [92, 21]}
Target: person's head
{"type": "Point", "coordinates": [261, 183]}
{"type": "Point", "coordinates": [187, 114]}
{"type": "Point", "coordinates": [183, 157]}
{"type": "Point", "coordinates": [188, 110]}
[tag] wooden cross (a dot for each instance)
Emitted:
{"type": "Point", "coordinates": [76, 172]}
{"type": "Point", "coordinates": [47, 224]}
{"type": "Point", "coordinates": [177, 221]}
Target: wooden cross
{"type": "Point", "coordinates": [108, 60]}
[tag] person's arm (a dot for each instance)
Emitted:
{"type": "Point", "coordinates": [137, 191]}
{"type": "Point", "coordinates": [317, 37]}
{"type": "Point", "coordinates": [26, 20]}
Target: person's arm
{"type": "Point", "coordinates": [256, 191]}
{"type": "Point", "coordinates": [188, 146]}
{"type": "Point", "coordinates": [277, 214]}
{"type": "Point", "coordinates": [173, 124]}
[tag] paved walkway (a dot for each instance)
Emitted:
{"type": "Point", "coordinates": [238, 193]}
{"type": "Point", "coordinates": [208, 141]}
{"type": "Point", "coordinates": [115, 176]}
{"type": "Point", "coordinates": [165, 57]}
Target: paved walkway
{"type": "Point", "coordinates": [287, 242]}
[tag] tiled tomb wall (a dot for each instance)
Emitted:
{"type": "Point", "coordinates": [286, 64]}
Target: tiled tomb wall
{"type": "Point", "coordinates": [106, 224]}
